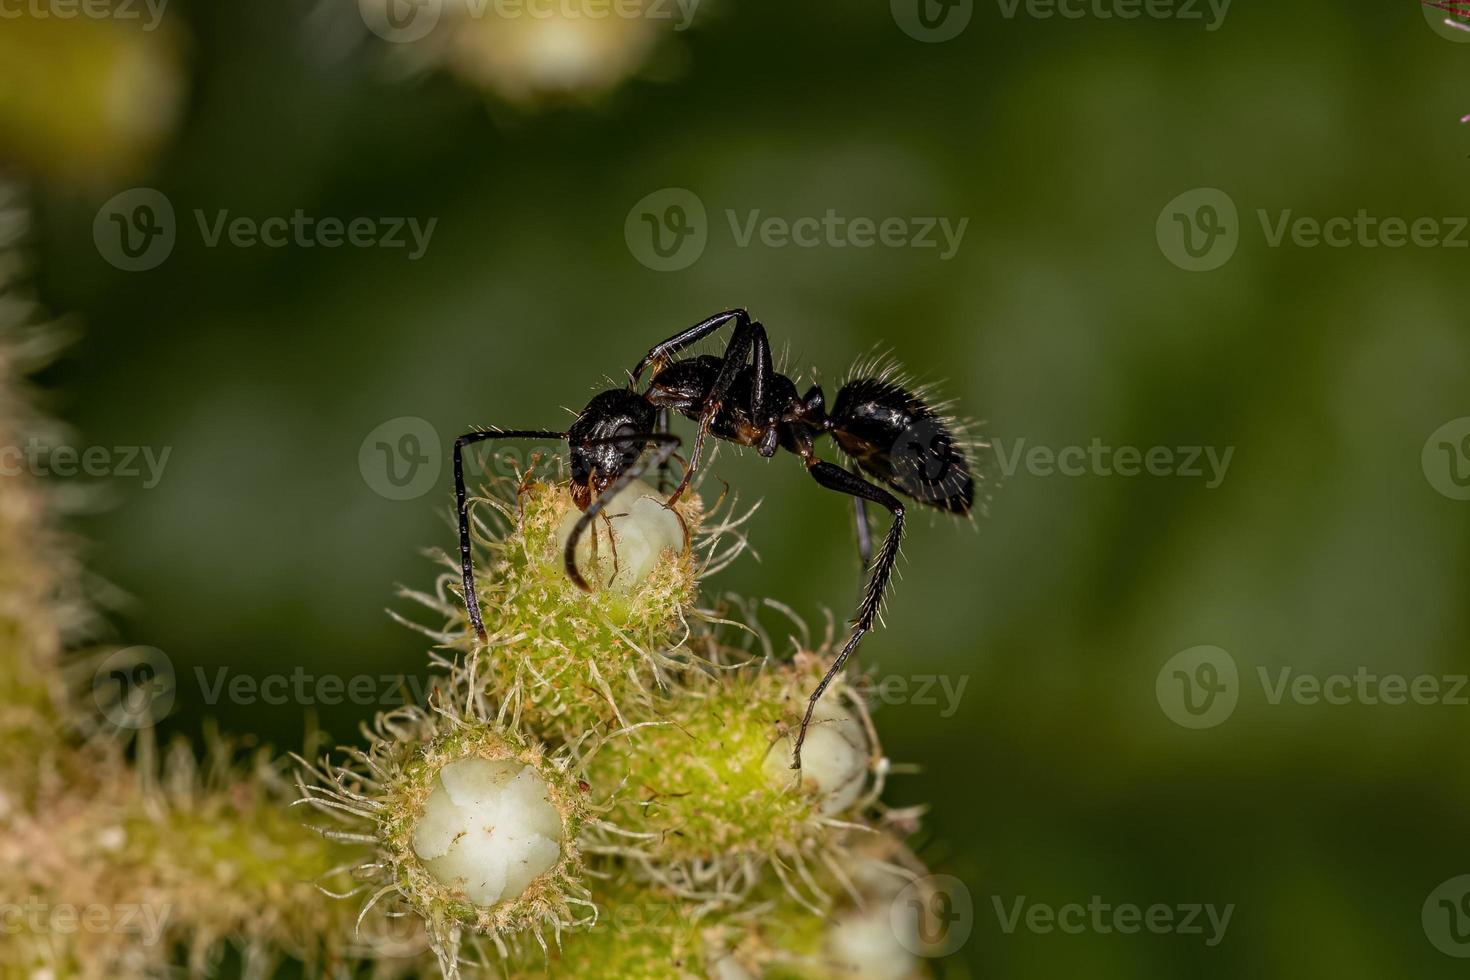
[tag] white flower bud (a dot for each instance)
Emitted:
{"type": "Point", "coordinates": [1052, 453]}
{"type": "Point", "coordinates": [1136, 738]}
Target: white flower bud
{"type": "Point", "coordinates": [834, 757]}
{"type": "Point", "coordinates": [863, 946]}
{"type": "Point", "coordinates": [643, 528]}
{"type": "Point", "coordinates": [487, 829]}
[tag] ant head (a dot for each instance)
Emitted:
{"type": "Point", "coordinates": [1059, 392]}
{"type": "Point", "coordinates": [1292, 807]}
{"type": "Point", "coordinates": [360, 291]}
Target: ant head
{"type": "Point", "coordinates": [607, 438]}
{"type": "Point", "coordinates": [595, 467]}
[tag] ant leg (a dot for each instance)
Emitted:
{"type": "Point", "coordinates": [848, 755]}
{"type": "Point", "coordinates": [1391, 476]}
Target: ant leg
{"type": "Point", "coordinates": [864, 531]}
{"type": "Point", "coordinates": [748, 336]}
{"type": "Point", "coordinates": [836, 478]}
{"type": "Point", "coordinates": [660, 353]}
{"type": "Point", "coordinates": [761, 409]}
{"type": "Point", "coordinates": [611, 542]}
{"type": "Point", "coordinates": [864, 528]}
{"type": "Point", "coordinates": [694, 458]}
{"type": "Point", "coordinates": [471, 601]}
{"type": "Point", "coordinates": [667, 444]}
{"type": "Point", "coordinates": [661, 426]}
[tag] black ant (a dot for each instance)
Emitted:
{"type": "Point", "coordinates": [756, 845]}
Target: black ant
{"type": "Point", "coordinates": [888, 431]}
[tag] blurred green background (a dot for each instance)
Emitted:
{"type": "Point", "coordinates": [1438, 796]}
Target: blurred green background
{"type": "Point", "coordinates": [1061, 320]}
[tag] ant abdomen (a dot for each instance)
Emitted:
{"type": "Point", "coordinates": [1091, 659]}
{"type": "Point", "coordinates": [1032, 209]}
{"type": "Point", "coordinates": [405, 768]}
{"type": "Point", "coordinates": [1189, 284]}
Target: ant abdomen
{"type": "Point", "coordinates": [899, 439]}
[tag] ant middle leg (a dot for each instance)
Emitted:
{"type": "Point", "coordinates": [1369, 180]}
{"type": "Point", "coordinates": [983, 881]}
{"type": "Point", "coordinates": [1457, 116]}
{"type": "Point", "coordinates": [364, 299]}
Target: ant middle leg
{"type": "Point", "coordinates": [836, 478]}
{"type": "Point", "coordinates": [749, 339]}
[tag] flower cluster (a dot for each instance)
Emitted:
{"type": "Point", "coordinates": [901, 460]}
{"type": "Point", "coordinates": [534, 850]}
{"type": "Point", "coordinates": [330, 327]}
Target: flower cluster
{"type": "Point", "coordinates": [603, 788]}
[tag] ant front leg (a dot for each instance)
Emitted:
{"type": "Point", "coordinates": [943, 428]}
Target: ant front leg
{"type": "Point", "coordinates": [667, 444]}
{"type": "Point", "coordinates": [836, 478]}
{"type": "Point", "coordinates": [660, 354]}
{"type": "Point", "coordinates": [749, 336]}
{"type": "Point", "coordinates": [466, 562]}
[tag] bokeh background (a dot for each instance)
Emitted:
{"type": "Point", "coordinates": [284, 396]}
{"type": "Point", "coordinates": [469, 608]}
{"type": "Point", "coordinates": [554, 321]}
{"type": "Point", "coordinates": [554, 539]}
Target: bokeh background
{"type": "Point", "coordinates": [1335, 543]}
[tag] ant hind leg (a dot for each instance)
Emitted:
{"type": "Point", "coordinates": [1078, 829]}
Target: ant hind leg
{"type": "Point", "coordinates": [836, 478]}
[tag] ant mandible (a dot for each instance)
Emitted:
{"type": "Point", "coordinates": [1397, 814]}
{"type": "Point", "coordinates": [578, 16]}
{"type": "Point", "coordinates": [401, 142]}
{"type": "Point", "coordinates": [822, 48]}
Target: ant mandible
{"type": "Point", "coordinates": [890, 432]}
